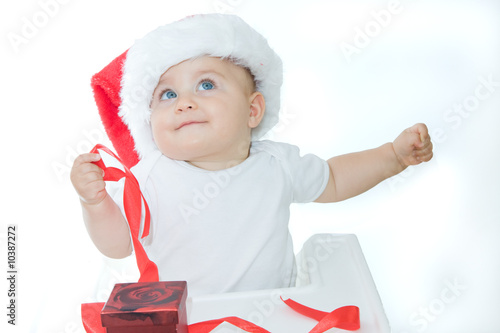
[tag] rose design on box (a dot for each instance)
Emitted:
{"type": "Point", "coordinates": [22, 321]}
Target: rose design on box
{"type": "Point", "coordinates": [134, 297]}
{"type": "Point", "coordinates": [145, 303]}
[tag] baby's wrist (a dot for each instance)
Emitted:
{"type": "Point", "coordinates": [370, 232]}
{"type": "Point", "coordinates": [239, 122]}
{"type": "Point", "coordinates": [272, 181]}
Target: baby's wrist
{"type": "Point", "coordinates": [93, 203]}
{"type": "Point", "coordinates": [399, 164]}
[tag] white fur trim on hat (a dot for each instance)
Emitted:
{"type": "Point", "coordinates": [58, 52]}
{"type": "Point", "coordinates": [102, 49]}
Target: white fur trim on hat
{"type": "Point", "coordinates": [217, 35]}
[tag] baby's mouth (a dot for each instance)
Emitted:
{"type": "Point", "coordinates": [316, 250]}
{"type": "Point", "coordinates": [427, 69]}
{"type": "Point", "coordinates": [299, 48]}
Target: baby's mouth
{"type": "Point", "coordinates": [188, 123]}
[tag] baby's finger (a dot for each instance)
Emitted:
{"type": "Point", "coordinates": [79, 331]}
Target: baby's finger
{"type": "Point", "coordinates": [409, 138]}
{"type": "Point", "coordinates": [83, 165]}
{"type": "Point", "coordinates": [422, 131]}
{"type": "Point", "coordinates": [424, 155]}
{"type": "Point", "coordinates": [86, 158]}
{"type": "Point", "coordinates": [93, 192]}
{"type": "Point", "coordinates": [426, 146]}
{"type": "Point", "coordinates": [90, 168]}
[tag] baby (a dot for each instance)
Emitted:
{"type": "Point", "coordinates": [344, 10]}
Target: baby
{"type": "Point", "coordinates": [219, 198]}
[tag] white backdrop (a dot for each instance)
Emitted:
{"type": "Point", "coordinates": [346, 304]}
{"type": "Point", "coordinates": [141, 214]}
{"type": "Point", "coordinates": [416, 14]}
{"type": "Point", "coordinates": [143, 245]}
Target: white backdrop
{"type": "Point", "coordinates": [356, 74]}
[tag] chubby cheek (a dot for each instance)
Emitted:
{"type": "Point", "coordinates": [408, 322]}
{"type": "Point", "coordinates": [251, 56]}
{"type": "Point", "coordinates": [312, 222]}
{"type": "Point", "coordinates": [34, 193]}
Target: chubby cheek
{"type": "Point", "coordinates": [160, 129]}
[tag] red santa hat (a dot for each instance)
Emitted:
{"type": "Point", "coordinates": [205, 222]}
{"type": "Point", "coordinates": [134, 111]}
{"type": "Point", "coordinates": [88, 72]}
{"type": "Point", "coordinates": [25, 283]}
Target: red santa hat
{"type": "Point", "coordinates": [124, 88]}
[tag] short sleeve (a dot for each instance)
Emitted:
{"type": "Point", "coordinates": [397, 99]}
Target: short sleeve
{"type": "Point", "coordinates": [309, 173]}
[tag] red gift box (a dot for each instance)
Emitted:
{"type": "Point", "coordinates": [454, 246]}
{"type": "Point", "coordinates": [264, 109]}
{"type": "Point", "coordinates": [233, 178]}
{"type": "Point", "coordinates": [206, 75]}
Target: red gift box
{"type": "Point", "coordinates": [146, 307]}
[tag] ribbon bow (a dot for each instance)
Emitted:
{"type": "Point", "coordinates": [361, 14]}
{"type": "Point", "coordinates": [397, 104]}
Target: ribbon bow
{"type": "Point", "coordinates": [132, 205]}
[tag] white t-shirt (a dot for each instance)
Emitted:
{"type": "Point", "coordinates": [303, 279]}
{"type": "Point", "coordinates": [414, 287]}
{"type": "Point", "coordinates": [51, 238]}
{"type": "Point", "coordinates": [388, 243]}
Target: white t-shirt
{"type": "Point", "coordinates": [227, 230]}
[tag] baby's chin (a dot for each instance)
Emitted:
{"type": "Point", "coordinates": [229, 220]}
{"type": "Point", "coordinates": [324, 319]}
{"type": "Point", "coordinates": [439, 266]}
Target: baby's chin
{"type": "Point", "coordinates": [178, 156]}
{"type": "Point", "coordinates": [184, 153]}
{"type": "Point", "coordinates": [205, 158]}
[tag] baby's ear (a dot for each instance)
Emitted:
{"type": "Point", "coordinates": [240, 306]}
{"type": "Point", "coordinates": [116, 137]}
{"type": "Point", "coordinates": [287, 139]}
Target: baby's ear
{"type": "Point", "coordinates": [257, 109]}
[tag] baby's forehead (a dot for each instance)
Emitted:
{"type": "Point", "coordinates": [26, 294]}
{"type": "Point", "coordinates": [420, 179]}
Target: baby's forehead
{"type": "Point", "coordinates": [225, 67]}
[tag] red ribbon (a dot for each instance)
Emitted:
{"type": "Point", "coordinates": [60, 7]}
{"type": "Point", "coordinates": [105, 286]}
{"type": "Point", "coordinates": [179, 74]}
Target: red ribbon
{"type": "Point", "coordinates": [132, 205]}
{"type": "Point", "coordinates": [91, 317]}
{"type": "Point", "coordinates": [346, 317]}
{"type": "Point", "coordinates": [209, 325]}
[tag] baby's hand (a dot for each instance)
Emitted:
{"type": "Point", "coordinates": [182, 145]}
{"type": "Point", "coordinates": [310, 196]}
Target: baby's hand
{"type": "Point", "coordinates": [87, 178]}
{"type": "Point", "coordinates": [413, 146]}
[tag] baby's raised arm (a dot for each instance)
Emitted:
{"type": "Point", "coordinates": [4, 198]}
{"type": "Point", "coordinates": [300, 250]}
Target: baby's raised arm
{"type": "Point", "coordinates": [355, 173]}
{"type": "Point", "coordinates": [105, 223]}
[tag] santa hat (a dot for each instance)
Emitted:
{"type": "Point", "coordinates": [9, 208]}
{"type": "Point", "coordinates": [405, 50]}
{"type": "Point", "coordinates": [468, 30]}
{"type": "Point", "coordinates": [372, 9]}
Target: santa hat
{"type": "Point", "coordinates": [123, 89]}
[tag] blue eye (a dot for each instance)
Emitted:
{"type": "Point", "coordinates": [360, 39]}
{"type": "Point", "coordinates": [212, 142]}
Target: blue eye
{"type": "Point", "coordinates": [206, 85]}
{"type": "Point", "coordinates": [169, 94]}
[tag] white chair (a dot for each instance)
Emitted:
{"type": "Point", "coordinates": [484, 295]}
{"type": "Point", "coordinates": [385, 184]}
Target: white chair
{"type": "Point", "coordinates": [332, 272]}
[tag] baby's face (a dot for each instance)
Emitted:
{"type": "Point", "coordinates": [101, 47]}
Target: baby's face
{"type": "Point", "coordinates": [203, 111]}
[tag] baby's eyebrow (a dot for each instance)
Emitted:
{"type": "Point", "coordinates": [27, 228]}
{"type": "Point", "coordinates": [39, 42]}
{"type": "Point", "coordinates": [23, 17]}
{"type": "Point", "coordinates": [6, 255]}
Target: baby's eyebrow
{"type": "Point", "coordinates": [165, 81]}
{"type": "Point", "coordinates": [209, 72]}
{"type": "Point", "coordinates": [161, 84]}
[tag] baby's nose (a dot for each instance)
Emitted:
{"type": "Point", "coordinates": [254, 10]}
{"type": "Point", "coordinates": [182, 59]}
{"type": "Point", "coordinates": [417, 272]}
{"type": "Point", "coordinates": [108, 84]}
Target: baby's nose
{"type": "Point", "coordinates": [185, 104]}
{"type": "Point", "coordinates": [184, 108]}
